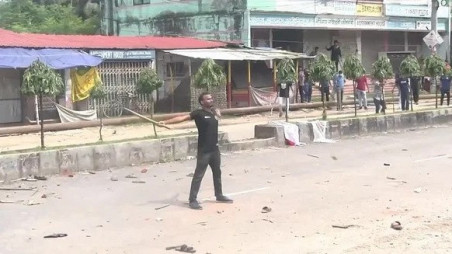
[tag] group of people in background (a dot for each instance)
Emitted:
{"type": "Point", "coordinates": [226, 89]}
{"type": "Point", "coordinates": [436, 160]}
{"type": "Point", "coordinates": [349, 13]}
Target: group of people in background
{"type": "Point", "coordinates": [335, 86]}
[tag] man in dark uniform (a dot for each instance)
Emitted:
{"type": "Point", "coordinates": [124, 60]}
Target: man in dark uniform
{"type": "Point", "coordinates": [206, 120]}
{"type": "Point", "coordinates": [445, 88]}
{"type": "Point", "coordinates": [414, 81]}
{"type": "Point", "coordinates": [404, 89]}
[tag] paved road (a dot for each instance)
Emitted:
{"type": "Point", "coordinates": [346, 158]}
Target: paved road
{"type": "Point", "coordinates": [308, 188]}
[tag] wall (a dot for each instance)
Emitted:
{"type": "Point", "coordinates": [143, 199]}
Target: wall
{"type": "Point", "coordinates": [207, 19]}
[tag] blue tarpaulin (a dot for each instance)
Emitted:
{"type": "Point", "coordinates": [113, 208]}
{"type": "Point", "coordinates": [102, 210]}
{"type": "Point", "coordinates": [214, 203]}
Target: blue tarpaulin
{"type": "Point", "coordinates": [54, 58]}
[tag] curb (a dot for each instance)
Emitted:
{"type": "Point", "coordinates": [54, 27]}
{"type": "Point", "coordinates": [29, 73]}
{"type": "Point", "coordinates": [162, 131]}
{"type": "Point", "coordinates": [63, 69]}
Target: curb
{"type": "Point", "coordinates": [116, 155]}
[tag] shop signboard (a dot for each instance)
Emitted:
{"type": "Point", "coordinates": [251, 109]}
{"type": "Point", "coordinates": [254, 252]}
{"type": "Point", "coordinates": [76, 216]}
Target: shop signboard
{"type": "Point", "coordinates": [266, 20]}
{"type": "Point", "coordinates": [335, 22]}
{"type": "Point", "coordinates": [371, 23]}
{"type": "Point", "coordinates": [407, 10]}
{"type": "Point", "coordinates": [366, 9]}
{"type": "Point", "coordinates": [401, 25]}
{"type": "Point", "coordinates": [124, 54]}
{"type": "Point", "coordinates": [338, 7]}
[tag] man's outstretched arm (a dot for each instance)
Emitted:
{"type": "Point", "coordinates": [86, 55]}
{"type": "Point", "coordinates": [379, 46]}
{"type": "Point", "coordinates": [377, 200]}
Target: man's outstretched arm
{"type": "Point", "coordinates": [177, 119]}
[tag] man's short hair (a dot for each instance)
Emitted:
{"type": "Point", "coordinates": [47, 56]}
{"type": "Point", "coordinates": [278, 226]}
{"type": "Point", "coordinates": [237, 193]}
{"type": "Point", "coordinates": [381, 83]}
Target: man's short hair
{"type": "Point", "coordinates": [201, 96]}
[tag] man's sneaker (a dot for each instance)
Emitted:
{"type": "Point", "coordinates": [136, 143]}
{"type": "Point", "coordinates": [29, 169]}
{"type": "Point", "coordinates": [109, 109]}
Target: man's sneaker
{"type": "Point", "coordinates": [224, 199]}
{"type": "Point", "coordinates": [194, 205]}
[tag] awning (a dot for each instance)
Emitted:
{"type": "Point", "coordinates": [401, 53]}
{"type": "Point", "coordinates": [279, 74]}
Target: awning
{"type": "Point", "coordinates": [54, 58]}
{"type": "Point", "coordinates": [239, 54]}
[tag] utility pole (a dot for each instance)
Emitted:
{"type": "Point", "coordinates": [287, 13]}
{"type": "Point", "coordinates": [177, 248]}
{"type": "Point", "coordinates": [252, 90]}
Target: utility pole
{"type": "Point", "coordinates": [434, 21]}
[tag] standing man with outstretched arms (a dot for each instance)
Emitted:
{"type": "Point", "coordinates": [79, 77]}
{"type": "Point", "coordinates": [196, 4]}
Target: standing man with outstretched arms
{"type": "Point", "coordinates": [206, 120]}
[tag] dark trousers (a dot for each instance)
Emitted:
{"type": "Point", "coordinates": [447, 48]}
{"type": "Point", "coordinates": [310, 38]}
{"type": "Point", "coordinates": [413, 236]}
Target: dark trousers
{"type": "Point", "coordinates": [307, 92]}
{"type": "Point", "coordinates": [379, 104]}
{"type": "Point", "coordinates": [212, 159]}
{"type": "Point", "coordinates": [404, 98]}
{"type": "Point", "coordinates": [336, 62]}
{"type": "Point", "coordinates": [340, 97]}
{"type": "Point", "coordinates": [448, 97]}
{"type": "Point", "coordinates": [325, 91]}
{"type": "Point", "coordinates": [300, 89]}
{"type": "Point", "coordinates": [415, 89]}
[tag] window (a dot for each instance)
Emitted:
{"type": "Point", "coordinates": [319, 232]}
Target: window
{"type": "Point", "coordinates": [139, 2]}
{"type": "Point", "coordinates": [176, 69]}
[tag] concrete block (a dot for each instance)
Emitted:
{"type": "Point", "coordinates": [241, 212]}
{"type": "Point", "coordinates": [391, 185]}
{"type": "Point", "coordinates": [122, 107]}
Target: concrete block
{"type": "Point", "coordinates": [390, 123]}
{"type": "Point", "coordinates": [223, 138]}
{"type": "Point", "coordinates": [269, 131]}
{"type": "Point", "coordinates": [167, 150]}
{"type": "Point", "coordinates": [334, 130]}
{"type": "Point", "coordinates": [371, 125]}
{"type": "Point", "coordinates": [28, 164]}
{"type": "Point", "coordinates": [421, 119]}
{"type": "Point", "coordinates": [408, 121]}
{"type": "Point", "coordinates": [128, 154]}
{"type": "Point", "coordinates": [9, 167]}
{"type": "Point", "coordinates": [363, 124]}
{"type": "Point", "coordinates": [305, 131]}
{"type": "Point", "coordinates": [428, 118]}
{"type": "Point", "coordinates": [104, 157]}
{"type": "Point", "coordinates": [381, 123]}
{"type": "Point", "coordinates": [48, 162]}
{"type": "Point", "coordinates": [397, 122]}
{"type": "Point", "coordinates": [349, 127]}
{"type": "Point", "coordinates": [85, 158]}
{"type": "Point", "coordinates": [150, 150]}
{"type": "Point", "coordinates": [67, 161]}
{"type": "Point", "coordinates": [192, 142]}
{"type": "Point", "coordinates": [180, 148]}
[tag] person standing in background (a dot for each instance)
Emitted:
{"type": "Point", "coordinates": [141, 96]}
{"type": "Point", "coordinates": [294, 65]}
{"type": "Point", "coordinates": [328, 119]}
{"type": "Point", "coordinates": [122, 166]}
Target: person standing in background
{"type": "Point", "coordinates": [336, 53]}
{"type": "Point", "coordinates": [307, 87]}
{"type": "Point", "coordinates": [414, 82]}
{"type": "Point", "coordinates": [301, 78]}
{"type": "Point", "coordinates": [340, 84]}
{"type": "Point", "coordinates": [445, 88]}
{"type": "Point", "coordinates": [361, 88]}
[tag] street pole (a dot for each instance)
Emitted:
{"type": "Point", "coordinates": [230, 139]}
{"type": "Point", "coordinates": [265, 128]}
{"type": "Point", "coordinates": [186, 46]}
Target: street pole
{"type": "Point", "coordinates": [434, 22]}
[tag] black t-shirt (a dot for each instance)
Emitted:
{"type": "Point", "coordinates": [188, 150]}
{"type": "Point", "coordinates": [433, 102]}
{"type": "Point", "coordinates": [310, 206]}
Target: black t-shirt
{"type": "Point", "coordinates": [284, 92]}
{"type": "Point", "coordinates": [207, 126]}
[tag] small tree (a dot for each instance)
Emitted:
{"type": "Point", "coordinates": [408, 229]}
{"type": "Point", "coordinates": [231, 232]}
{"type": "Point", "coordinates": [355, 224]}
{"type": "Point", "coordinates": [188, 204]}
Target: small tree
{"type": "Point", "coordinates": [410, 68]}
{"type": "Point", "coordinates": [322, 69]}
{"type": "Point", "coordinates": [147, 83]}
{"type": "Point", "coordinates": [433, 67]}
{"type": "Point", "coordinates": [209, 75]}
{"type": "Point", "coordinates": [286, 74]}
{"type": "Point", "coordinates": [98, 93]}
{"type": "Point", "coordinates": [40, 80]}
{"type": "Point", "coordinates": [382, 70]}
{"type": "Point", "coordinates": [353, 69]}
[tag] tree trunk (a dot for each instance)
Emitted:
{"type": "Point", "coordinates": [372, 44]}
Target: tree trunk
{"type": "Point", "coordinates": [100, 119]}
{"type": "Point", "coordinates": [354, 97]}
{"type": "Point", "coordinates": [151, 100]}
{"type": "Point", "coordinates": [436, 94]}
{"type": "Point", "coordinates": [41, 122]}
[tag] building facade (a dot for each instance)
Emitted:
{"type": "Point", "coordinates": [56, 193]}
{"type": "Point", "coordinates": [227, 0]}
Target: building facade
{"type": "Point", "coordinates": [368, 28]}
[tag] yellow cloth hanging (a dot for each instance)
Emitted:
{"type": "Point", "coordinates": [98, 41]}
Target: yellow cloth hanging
{"type": "Point", "coordinates": [83, 81]}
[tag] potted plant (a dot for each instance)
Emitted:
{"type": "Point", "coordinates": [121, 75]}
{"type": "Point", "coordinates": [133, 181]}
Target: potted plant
{"type": "Point", "coordinates": [322, 69]}
{"type": "Point", "coordinates": [39, 80]}
{"type": "Point", "coordinates": [381, 71]}
{"type": "Point", "coordinates": [433, 67]}
{"type": "Point", "coordinates": [98, 93]}
{"type": "Point", "coordinates": [209, 75]}
{"type": "Point", "coordinates": [147, 83]}
{"type": "Point", "coordinates": [353, 69]}
{"type": "Point", "coordinates": [286, 76]}
{"type": "Point", "coordinates": [410, 68]}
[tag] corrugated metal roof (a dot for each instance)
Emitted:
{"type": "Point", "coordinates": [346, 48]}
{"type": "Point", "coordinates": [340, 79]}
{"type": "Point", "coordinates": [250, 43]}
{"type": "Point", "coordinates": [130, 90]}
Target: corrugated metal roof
{"type": "Point", "coordinates": [239, 54]}
{"type": "Point", "coordinates": [27, 40]}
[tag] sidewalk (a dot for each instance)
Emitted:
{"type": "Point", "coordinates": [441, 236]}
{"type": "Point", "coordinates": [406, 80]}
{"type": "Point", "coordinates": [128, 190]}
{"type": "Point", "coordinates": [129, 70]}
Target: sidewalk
{"type": "Point", "coordinates": [237, 127]}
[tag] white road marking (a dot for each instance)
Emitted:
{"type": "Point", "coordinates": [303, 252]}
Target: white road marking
{"type": "Point", "coordinates": [432, 158]}
{"type": "Point", "coordinates": [239, 193]}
